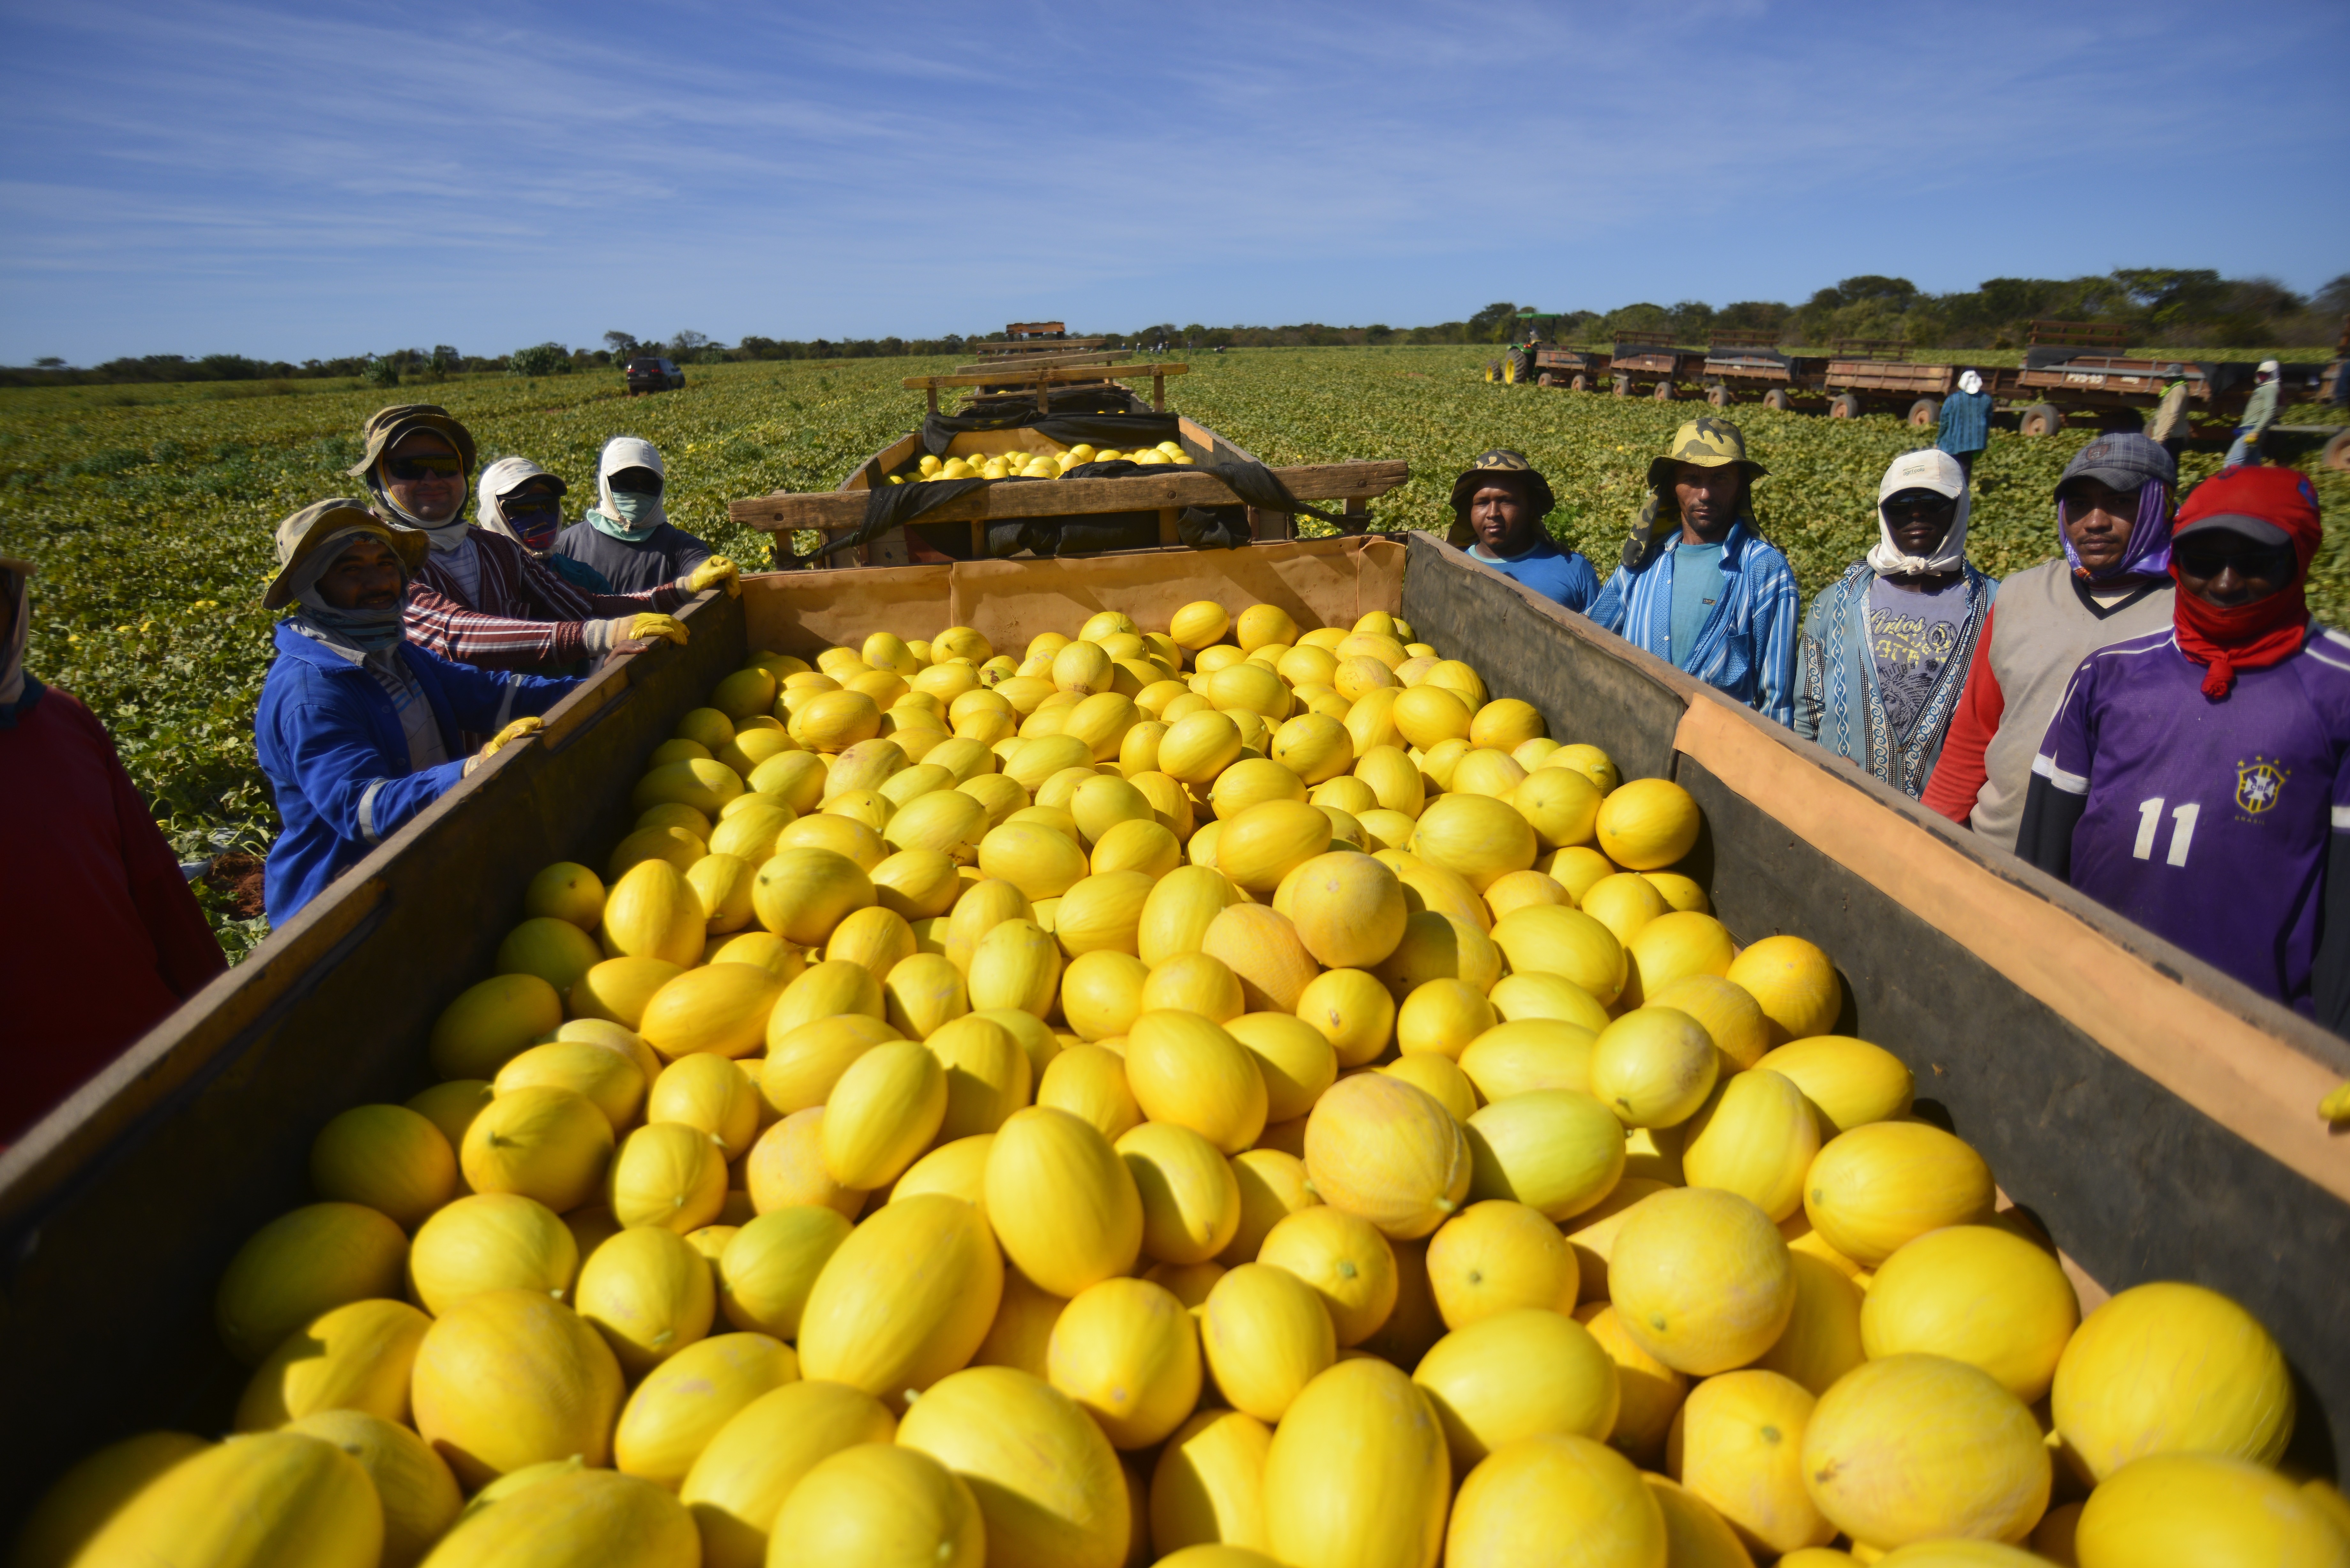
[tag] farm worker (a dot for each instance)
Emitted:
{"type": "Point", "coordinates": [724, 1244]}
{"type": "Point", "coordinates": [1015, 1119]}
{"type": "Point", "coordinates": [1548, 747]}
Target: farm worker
{"type": "Point", "coordinates": [1964, 429]}
{"type": "Point", "coordinates": [100, 938]}
{"type": "Point", "coordinates": [1887, 646]}
{"type": "Point", "coordinates": [2168, 426]}
{"type": "Point", "coordinates": [2197, 778]}
{"type": "Point", "coordinates": [478, 597]}
{"type": "Point", "coordinates": [517, 498]}
{"type": "Point", "coordinates": [626, 535]}
{"type": "Point", "coordinates": [1498, 506]}
{"type": "Point", "coordinates": [358, 727]}
{"type": "Point", "coordinates": [2259, 413]}
{"type": "Point", "coordinates": [1698, 586]}
{"type": "Point", "coordinates": [2112, 582]}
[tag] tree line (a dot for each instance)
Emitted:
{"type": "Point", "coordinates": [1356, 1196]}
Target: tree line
{"type": "Point", "coordinates": [2183, 308]}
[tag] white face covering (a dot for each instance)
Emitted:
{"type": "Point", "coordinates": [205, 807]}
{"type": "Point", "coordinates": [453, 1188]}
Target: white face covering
{"type": "Point", "coordinates": [643, 513]}
{"type": "Point", "coordinates": [1970, 382]}
{"type": "Point", "coordinates": [1933, 469]}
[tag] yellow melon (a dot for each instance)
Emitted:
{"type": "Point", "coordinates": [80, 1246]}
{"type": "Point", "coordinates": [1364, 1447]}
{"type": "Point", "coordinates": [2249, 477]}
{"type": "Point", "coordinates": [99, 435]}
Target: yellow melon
{"type": "Point", "coordinates": [1357, 1472]}
{"type": "Point", "coordinates": [609, 1078]}
{"type": "Point", "coordinates": [1129, 1353]}
{"type": "Point", "coordinates": [769, 1265]}
{"type": "Point", "coordinates": [704, 785]}
{"type": "Point", "coordinates": [618, 989]}
{"type": "Point", "coordinates": [684, 1402]}
{"type": "Point", "coordinates": [1483, 771]}
{"type": "Point", "coordinates": [1725, 1011]}
{"type": "Point", "coordinates": [1348, 908]}
{"type": "Point", "coordinates": [1646, 825]}
{"type": "Point", "coordinates": [1796, 984]}
{"type": "Point", "coordinates": [385, 1157]}
{"type": "Point", "coordinates": [1550, 1488]}
{"type": "Point", "coordinates": [987, 1076]}
{"type": "Point", "coordinates": [490, 1240]}
{"type": "Point", "coordinates": [1353, 1014]}
{"type": "Point", "coordinates": [1877, 1186]}
{"type": "Point", "coordinates": [1425, 715]}
{"type": "Point", "coordinates": [1978, 1468]}
{"type": "Point", "coordinates": [1975, 1294]}
{"type": "Point", "coordinates": [792, 779]}
{"type": "Point", "coordinates": [650, 1295]}
{"type": "Point", "coordinates": [1048, 1482]}
{"type": "Point", "coordinates": [1015, 965]}
{"type": "Point", "coordinates": [566, 891]}
{"type": "Point", "coordinates": [958, 1169]}
{"type": "Point", "coordinates": [1592, 1233]}
{"type": "Point", "coordinates": [1294, 1058]}
{"type": "Point", "coordinates": [803, 1065]}
{"type": "Point", "coordinates": [722, 1009]}
{"type": "Point", "coordinates": [1547, 939]}
{"type": "Point", "coordinates": [1439, 946]}
{"type": "Point", "coordinates": [905, 1300]}
{"type": "Point", "coordinates": [1441, 1078]}
{"type": "Point", "coordinates": [801, 893]}
{"type": "Point", "coordinates": [1344, 1259]}
{"type": "Point", "coordinates": [491, 1023]}
{"type": "Point", "coordinates": [280, 1498]}
{"type": "Point", "coordinates": [1495, 1257]}
{"type": "Point", "coordinates": [1186, 1070]}
{"type": "Point", "coordinates": [653, 913]}
{"type": "Point", "coordinates": [786, 1167]}
{"type": "Point", "coordinates": [1737, 1444]}
{"type": "Point", "coordinates": [1061, 1201]}
{"type": "Point", "coordinates": [1102, 913]}
{"type": "Point", "coordinates": [1521, 1373]}
{"type": "Point", "coordinates": [881, 1506]}
{"type": "Point", "coordinates": [1266, 1335]}
{"type": "Point", "coordinates": [1197, 624]}
{"type": "Point", "coordinates": [750, 1467]}
{"type": "Point", "coordinates": [1651, 1391]}
{"type": "Point", "coordinates": [1190, 1198]}
{"type": "Point", "coordinates": [669, 1175]}
{"type": "Point", "coordinates": [301, 1265]}
{"type": "Point", "coordinates": [1540, 994]}
{"type": "Point", "coordinates": [357, 1357]}
{"type": "Point", "coordinates": [1313, 746]}
{"type": "Point", "coordinates": [2170, 1510]}
{"type": "Point", "coordinates": [1475, 836]}
{"type": "Point", "coordinates": [1379, 1148]}
{"type": "Point", "coordinates": [1823, 1340]}
{"type": "Point", "coordinates": [1625, 903]}
{"type": "Point", "coordinates": [509, 1378]}
{"type": "Point", "coordinates": [883, 1112]}
{"type": "Point", "coordinates": [1207, 1488]}
{"type": "Point", "coordinates": [1653, 1067]}
{"type": "Point", "coordinates": [1701, 1279]}
{"type": "Point", "coordinates": [1531, 1053]}
{"type": "Point", "coordinates": [553, 949]}
{"type": "Point", "coordinates": [1394, 782]}
{"type": "Point", "coordinates": [1520, 889]}
{"type": "Point", "coordinates": [1754, 1135]}
{"type": "Point", "coordinates": [1272, 1186]}
{"type": "Point", "coordinates": [1547, 1149]}
{"type": "Point", "coordinates": [1849, 1083]}
{"type": "Point", "coordinates": [1675, 945]}
{"type": "Point", "coordinates": [1148, 847]}
{"type": "Point", "coordinates": [2168, 1368]}
{"type": "Point", "coordinates": [1560, 804]}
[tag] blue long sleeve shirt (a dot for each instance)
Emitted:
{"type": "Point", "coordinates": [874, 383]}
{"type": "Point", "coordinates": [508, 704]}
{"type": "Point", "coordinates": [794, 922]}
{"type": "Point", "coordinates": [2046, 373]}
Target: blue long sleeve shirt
{"type": "Point", "coordinates": [1746, 647]}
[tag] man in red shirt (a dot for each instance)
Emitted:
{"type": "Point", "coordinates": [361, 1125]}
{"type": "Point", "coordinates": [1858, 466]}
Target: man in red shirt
{"type": "Point", "coordinates": [99, 937]}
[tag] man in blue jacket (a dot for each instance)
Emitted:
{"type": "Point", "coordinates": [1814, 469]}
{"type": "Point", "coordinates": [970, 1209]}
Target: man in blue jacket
{"type": "Point", "coordinates": [359, 730]}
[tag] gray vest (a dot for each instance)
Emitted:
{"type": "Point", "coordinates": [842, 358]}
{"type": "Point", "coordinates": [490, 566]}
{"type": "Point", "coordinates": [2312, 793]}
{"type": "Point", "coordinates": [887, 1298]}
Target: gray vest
{"type": "Point", "coordinates": [2040, 632]}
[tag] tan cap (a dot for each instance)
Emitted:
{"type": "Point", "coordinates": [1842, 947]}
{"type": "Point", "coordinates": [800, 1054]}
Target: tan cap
{"type": "Point", "coordinates": [301, 536]}
{"type": "Point", "coordinates": [386, 426]}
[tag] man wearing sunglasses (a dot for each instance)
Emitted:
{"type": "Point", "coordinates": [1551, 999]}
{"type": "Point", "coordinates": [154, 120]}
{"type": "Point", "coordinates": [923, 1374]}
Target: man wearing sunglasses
{"type": "Point", "coordinates": [1885, 648]}
{"type": "Point", "coordinates": [2196, 778]}
{"type": "Point", "coordinates": [478, 597]}
{"type": "Point", "coordinates": [627, 535]}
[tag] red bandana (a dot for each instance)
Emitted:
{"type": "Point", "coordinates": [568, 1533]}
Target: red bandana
{"type": "Point", "coordinates": [2266, 631]}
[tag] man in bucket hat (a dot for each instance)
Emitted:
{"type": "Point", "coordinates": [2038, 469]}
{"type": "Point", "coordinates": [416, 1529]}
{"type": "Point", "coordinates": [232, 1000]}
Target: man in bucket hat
{"type": "Point", "coordinates": [103, 939]}
{"type": "Point", "coordinates": [2196, 778]}
{"type": "Point", "coordinates": [1498, 506]}
{"type": "Point", "coordinates": [359, 729]}
{"type": "Point", "coordinates": [1698, 586]}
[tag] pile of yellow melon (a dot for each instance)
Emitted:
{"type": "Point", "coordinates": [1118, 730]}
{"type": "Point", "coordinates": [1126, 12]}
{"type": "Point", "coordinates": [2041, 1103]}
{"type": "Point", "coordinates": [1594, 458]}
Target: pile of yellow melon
{"type": "Point", "coordinates": [1020, 463]}
{"type": "Point", "coordinates": [1219, 1096]}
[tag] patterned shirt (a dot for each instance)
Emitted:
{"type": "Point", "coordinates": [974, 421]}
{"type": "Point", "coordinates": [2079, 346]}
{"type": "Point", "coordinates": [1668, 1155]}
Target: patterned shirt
{"type": "Point", "coordinates": [520, 615]}
{"type": "Point", "coordinates": [1746, 647]}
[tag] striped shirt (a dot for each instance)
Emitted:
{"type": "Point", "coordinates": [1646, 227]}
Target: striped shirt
{"type": "Point", "coordinates": [1746, 649]}
{"type": "Point", "coordinates": [520, 615]}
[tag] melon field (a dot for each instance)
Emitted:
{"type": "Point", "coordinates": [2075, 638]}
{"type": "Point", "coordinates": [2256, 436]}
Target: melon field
{"type": "Point", "coordinates": [147, 510]}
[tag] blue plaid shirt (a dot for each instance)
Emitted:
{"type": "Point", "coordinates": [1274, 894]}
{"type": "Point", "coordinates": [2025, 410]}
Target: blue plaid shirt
{"type": "Point", "coordinates": [1746, 647]}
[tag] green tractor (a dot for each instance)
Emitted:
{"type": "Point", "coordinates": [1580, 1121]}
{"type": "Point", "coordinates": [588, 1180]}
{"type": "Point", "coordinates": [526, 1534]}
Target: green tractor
{"type": "Point", "coordinates": [1517, 362]}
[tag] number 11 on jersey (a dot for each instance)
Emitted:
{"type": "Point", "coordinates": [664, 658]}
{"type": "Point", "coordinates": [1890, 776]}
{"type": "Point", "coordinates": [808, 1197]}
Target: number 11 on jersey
{"type": "Point", "coordinates": [2149, 825]}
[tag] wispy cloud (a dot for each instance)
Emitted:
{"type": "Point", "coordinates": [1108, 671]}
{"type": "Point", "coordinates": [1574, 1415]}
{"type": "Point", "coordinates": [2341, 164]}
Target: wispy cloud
{"type": "Point", "coordinates": [287, 180]}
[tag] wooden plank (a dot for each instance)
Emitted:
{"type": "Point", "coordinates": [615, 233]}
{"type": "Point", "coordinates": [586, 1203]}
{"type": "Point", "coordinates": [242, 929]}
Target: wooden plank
{"type": "Point", "coordinates": [836, 511]}
{"type": "Point", "coordinates": [1050, 373]}
{"type": "Point", "coordinates": [1033, 362]}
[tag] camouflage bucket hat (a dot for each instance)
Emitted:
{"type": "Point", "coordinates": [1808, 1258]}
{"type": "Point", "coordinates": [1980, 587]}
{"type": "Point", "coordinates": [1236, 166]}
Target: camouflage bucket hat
{"type": "Point", "coordinates": [1706, 443]}
{"type": "Point", "coordinates": [1499, 461]}
{"type": "Point", "coordinates": [301, 536]}
{"type": "Point", "coordinates": [386, 426]}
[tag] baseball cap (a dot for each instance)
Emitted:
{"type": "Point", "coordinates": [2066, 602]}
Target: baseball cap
{"type": "Point", "coordinates": [2272, 505]}
{"type": "Point", "coordinates": [2121, 460]}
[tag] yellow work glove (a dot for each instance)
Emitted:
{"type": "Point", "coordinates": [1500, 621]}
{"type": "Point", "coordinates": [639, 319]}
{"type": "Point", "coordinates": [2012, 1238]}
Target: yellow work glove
{"type": "Point", "coordinates": [2336, 1106]}
{"type": "Point", "coordinates": [639, 629]}
{"type": "Point", "coordinates": [711, 574]}
{"type": "Point", "coordinates": [506, 737]}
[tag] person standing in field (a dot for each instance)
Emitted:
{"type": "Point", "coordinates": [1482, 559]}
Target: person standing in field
{"type": "Point", "coordinates": [2197, 778]}
{"type": "Point", "coordinates": [2168, 426]}
{"type": "Point", "coordinates": [101, 939]}
{"type": "Point", "coordinates": [2259, 413]}
{"type": "Point", "coordinates": [2112, 582]}
{"type": "Point", "coordinates": [626, 534]}
{"type": "Point", "coordinates": [1964, 428]}
{"type": "Point", "coordinates": [478, 597]}
{"type": "Point", "coordinates": [1698, 586]}
{"type": "Point", "coordinates": [1887, 646]}
{"type": "Point", "coordinates": [1498, 507]}
{"type": "Point", "coordinates": [360, 729]}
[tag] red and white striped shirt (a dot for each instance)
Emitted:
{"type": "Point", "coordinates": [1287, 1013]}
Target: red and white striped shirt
{"type": "Point", "coordinates": [521, 616]}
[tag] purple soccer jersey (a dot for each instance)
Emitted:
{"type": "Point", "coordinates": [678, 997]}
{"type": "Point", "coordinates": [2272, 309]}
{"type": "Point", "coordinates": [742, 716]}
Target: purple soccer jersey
{"type": "Point", "coordinates": [2209, 823]}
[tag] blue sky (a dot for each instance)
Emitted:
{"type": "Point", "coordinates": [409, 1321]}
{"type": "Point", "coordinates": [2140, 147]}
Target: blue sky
{"type": "Point", "coordinates": [313, 181]}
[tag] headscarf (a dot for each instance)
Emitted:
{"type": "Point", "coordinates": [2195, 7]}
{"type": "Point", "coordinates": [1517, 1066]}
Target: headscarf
{"type": "Point", "coordinates": [500, 479]}
{"type": "Point", "coordinates": [2125, 460]}
{"type": "Point", "coordinates": [367, 630]}
{"type": "Point", "coordinates": [1928, 469]}
{"type": "Point", "coordinates": [1969, 383]}
{"type": "Point", "coordinates": [2266, 631]}
{"type": "Point", "coordinates": [625, 452]}
{"type": "Point", "coordinates": [15, 581]}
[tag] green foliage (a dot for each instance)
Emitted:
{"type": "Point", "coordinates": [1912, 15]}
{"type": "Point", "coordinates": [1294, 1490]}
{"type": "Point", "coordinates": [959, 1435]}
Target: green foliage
{"type": "Point", "coordinates": [150, 517]}
{"type": "Point", "coordinates": [379, 372]}
{"type": "Point", "coordinates": [540, 360]}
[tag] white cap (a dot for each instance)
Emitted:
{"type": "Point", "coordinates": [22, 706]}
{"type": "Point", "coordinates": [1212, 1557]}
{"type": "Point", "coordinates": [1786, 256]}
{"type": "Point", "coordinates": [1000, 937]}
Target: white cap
{"type": "Point", "coordinates": [2271, 367]}
{"type": "Point", "coordinates": [629, 452]}
{"type": "Point", "coordinates": [1929, 468]}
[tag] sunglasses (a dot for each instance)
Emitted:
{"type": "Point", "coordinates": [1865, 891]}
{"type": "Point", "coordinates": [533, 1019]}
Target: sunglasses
{"type": "Point", "coordinates": [1919, 505]}
{"type": "Point", "coordinates": [637, 482]}
{"type": "Point", "coordinates": [412, 468]}
{"type": "Point", "coordinates": [2208, 557]}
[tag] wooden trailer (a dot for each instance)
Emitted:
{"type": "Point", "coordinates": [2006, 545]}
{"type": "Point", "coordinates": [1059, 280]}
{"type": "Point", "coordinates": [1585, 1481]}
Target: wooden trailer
{"type": "Point", "coordinates": [1743, 365]}
{"type": "Point", "coordinates": [1648, 360]}
{"type": "Point", "coordinates": [1576, 369]}
{"type": "Point", "coordinates": [2157, 1118]}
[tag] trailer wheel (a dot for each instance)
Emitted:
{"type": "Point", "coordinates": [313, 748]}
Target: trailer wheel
{"type": "Point", "coordinates": [2041, 419]}
{"type": "Point", "coordinates": [1579, 382]}
{"type": "Point", "coordinates": [1663, 392]}
{"type": "Point", "coordinates": [1926, 412]}
{"type": "Point", "coordinates": [1844, 406]}
{"type": "Point", "coordinates": [2337, 451]}
{"type": "Point", "coordinates": [1623, 385]}
{"type": "Point", "coordinates": [1545, 380]}
{"type": "Point", "coordinates": [1778, 398]}
{"type": "Point", "coordinates": [1719, 396]}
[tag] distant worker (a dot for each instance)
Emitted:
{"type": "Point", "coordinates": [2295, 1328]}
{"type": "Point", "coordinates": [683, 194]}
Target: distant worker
{"type": "Point", "coordinates": [1887, 646]}
{"type": "Point", "coordinates": [2169, 425]}
{"type": "Point", "coordinates": [99, 939]}
{"type": "Point", "coordinates": [479, 598]}
{"type": "Point", "coordinates": [359, 729]}
{"type": "Point", "coordinates": [2112, 583]}
{"type": "Point", "coordinates": [2197, 778]}
{"type": "Point", "coordinates": [1699, 585]}
{"type": "Point", "coordinates": [1498, 507]}
{"type": "Point", "coordinates": [627, 535]}
{"type": "Point", "coordinates": [2259, 413]}
{"type": "Point", "coordinates": [1964, 428]}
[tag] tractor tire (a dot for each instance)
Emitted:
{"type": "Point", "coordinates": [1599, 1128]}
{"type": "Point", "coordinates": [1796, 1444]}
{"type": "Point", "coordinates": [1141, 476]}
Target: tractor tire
{"type": "Point", "coordinates": [1844, 406]}
{"type": "Point", "coordinates": [1663, 392]}
{"type": "Point", "coordinates": [1578, 382]}
{"type": "Point", "coordinates": [1926, 413]}
{"type": "Point", "coordinates": [1492, 369]}
{"type": "Point", "coordinates": [1623, 385]}
{"type": "Point", "coordinates": [1719, 396]}
{"type": "Point", "coordinates": [1518, 367]}
{"type": "Point", "coordinates": [1779, 398]}
{"type": "Point", "coordinates": [2337, 451]}
{"type": "Point", "coordinates": [2041, 419]}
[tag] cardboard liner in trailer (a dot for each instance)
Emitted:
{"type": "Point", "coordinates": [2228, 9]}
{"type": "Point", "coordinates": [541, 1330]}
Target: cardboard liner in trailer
{"type": "Point", "coordinates": [2156, 1117]}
